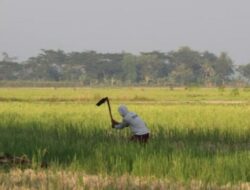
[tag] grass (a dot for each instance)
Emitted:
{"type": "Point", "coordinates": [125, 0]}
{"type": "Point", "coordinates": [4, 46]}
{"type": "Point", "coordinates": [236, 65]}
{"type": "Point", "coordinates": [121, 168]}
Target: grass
{"type": "Point", "coordinates": [133, 94]}
{"type": "Point", "coordinates": [191, 144]}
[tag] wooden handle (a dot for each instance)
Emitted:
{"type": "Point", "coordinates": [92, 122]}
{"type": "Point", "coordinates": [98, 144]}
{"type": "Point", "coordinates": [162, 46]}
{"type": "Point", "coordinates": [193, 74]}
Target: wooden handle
{"type": "Point", "coordinates": [111, 117]}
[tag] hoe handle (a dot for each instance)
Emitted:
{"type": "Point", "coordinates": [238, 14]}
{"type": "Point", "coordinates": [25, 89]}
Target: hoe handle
{"type": "Point", "coordinates": [110, 114]}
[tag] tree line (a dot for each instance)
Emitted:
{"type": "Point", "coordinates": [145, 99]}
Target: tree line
{"type": "Point", "coordinates": [180, 67]}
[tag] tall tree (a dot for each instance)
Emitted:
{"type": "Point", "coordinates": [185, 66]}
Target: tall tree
{"type": "Point", "coordinates": [186, 59]}
{"type": "Point", "coordinates": [209, 75]}
{"type": "Point", "coordinates": [129, 68]}
{"type": "Point", "coordinates": [245, 71]}
{"type": "Point", "coordinates": [151, 66]}
{"type": "Point", "coordinates": [7, 58]}
{"type": "Point", "coordinates": [223, 68]}
{"type": "Point", "coordinates": [9, 70]}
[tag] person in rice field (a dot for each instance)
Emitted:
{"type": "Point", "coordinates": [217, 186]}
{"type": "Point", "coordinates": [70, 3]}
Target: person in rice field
{"type": "Point", "coordinates": [137, 125]}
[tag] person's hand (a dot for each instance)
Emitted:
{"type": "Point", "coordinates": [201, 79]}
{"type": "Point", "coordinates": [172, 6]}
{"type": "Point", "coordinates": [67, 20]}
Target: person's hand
{"type": "Point", "coordinates": [114, 122]}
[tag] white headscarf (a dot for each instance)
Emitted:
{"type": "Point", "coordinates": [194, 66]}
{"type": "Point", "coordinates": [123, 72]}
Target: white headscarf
{"type": "Point", "coordinates": [123, 110]}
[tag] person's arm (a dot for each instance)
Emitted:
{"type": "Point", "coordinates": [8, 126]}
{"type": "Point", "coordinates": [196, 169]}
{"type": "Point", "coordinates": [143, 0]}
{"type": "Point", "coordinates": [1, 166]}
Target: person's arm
{"type": "Point", "coordinates": [121, 125]}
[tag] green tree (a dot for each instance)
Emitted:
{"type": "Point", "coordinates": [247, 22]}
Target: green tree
{"type": "Point", "coordinates": [245, 71]}
{"type": "Point", "coordinates": [7, 58]}
{"type": "Point", "coordinates": [10, 70]}
{"type": "Point", "coordinates": [151, 66]}
{"type": "Point", "coordinates": [209, 75]}
{"type": "Point", "coordinates": [182, 75]}
{"type": "Point", "coordinates": [129, 68]}
{"type": "Point", "coordinates": [223, 68]}
{"type": "Point", "coordinates": [186, 59]}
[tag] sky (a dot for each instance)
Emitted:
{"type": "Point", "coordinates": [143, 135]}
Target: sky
{"type": "Point", "coordinates": [27, 26]}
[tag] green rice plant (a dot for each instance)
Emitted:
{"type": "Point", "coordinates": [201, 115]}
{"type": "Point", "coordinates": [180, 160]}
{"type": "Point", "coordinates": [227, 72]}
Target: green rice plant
{"type": "Point", "coordinates": [86, 95]}
{"type": "Point", "coordinates": [235, 92]}
{"type": "Point", "coordinates": [201, 142]}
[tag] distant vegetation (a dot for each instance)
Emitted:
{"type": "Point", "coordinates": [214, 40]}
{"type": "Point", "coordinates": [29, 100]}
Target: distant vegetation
{"type": "Point", "coordinates": [183, 67]}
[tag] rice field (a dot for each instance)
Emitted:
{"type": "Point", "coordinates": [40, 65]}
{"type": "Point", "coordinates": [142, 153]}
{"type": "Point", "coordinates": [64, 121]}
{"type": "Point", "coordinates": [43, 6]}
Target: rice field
{"type": "Point", "coordinates": [200, 139]}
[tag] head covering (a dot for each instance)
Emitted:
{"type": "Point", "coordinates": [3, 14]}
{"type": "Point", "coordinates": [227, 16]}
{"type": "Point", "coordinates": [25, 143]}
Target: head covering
{"type": "Point", "coordinates": [123, 110]}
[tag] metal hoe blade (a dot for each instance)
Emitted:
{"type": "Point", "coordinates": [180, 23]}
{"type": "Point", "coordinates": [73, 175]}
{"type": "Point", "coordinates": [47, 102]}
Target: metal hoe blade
{"type": "Point", "coordinates": [100, 102]}
{"type": "Point", "coordinates": [103, 100]}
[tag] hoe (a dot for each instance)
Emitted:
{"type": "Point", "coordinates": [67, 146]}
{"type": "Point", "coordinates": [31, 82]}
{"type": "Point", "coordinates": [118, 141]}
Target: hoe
{"type": "Point", "coordinates": [102, 101]}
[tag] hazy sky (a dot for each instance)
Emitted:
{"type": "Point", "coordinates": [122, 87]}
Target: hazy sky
{"type": "Point", "coordinates": [26, 26]}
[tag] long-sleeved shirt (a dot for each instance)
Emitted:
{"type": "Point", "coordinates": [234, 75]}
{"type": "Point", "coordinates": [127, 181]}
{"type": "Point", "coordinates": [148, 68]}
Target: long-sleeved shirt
{"type": "Point", "coordinates": [136, 124]}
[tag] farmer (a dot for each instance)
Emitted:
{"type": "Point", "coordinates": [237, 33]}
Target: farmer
{"type": "Point", "coordinates": [138, 127]}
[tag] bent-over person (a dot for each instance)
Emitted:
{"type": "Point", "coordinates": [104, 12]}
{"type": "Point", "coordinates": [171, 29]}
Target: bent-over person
{"type": "Point", "coordinates": [136, 124]}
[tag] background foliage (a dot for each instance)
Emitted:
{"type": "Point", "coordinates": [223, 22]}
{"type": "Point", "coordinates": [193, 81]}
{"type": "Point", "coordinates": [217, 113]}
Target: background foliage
{"type": "Point", "coordinates": [180, 67]}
